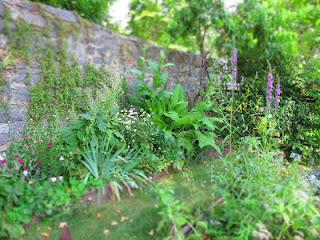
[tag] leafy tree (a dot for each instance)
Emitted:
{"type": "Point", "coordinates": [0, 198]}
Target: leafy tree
{"type": "Point", "coordinates": [277, 31]}
{"type": "Point", "coordinates": [196, 18]}
{"type": "Point", "coordinates": [94, 10]}
{"type": "Point", "coordinates": [149, 21]}
{"type": "Point", "coordinates": [187, 23]}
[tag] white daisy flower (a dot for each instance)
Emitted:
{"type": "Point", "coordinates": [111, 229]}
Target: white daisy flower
{"type": "Point", "coordinates": [53, 179]}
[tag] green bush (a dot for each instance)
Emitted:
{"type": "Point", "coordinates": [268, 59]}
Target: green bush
{"type": "Point", "coordinates": [94, 10]}
{"type": "Point", "coordinates": [20, 200]}
{"type": "Point", "coordinates": [194, 127]}
{"type": "Point", "coordinates": [262, 196]}
{"type": "Point", "coordinates": [281, 35]}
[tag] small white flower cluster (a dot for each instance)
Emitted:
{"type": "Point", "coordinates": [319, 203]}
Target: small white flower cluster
{"type": "Point", "coordinates": [55, 179]}
{"type": "Point", "coordinates": [130, 116]}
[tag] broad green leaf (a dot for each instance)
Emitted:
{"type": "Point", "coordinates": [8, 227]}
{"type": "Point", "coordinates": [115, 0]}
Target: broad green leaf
{"type": "Point", "coordinates": [207, 139]}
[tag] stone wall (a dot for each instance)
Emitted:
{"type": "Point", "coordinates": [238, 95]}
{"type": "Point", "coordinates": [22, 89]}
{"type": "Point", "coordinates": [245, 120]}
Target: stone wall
{"type": "Point", "coordinates": [85, 42]}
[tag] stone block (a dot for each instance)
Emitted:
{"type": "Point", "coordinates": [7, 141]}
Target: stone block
{"type": "Point", "coordinates": [3, 39]}
{"type": "Point", "coordinates": [98, 60]}
{"type": "Point", "coordinates": [2, 10]}
{"type": "Point", "coordinates": [18, 113]}
{"type": "Point", "coordinates": [90, 50]}
{"type": "Point", "coordinates": [4, 139]}
{"type": "Point", "coordinates": [26, 5]}
{"type": "Point", "coordinates": [4, 128]}
{"type": "Point", "coordinates": [32, 18]}
{"type": "Point", "coordinates": [16, 128]}
{"type": "Point", "coordinates": [61, 13]}
{"type": "Point", "coordinates": [4, 116]}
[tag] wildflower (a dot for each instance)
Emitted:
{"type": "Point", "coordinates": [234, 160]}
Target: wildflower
{"type": "Point", "coordinates": [61, 158]}
{"type": "Point", "coordinates": [25, 168]}
{"type": "Point", "coordinates": [3, 161]}
{"type": "Point", "coordinates": [50, 145]}
{"type": "Point", "coordinates": [269, 89]}
{"type": "Point", "coordinates": [37, 162]}
{"type": "Point", "coordinates": [25, 173]}
{"type": "Point", "coordinates": [278, 93]}
{"type": "Point", "coordinates": [60, 178]}
{"type": "Point", "coordinates": [53, 179]}
{"type": "Point", "coordinates": [21, 161]}
{"type": "Point", "coordinates": [17, 156]}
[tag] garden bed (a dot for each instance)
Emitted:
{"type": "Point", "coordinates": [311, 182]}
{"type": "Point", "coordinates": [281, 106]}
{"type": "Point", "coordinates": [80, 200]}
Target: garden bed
{"type": "Point", "coordinates": [134, 217]}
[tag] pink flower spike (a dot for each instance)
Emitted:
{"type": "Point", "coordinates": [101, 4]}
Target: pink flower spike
{"type": "Point", "coordinates": [50, 145]}
{"type": "Point", "coordinates": [25, 168]}
{"type": "Point", "coordinates": [17, 156]}
{"type": "Point", "coordinates": [21, 161]}
{"type": "Point", "coordinates": [3, 161]}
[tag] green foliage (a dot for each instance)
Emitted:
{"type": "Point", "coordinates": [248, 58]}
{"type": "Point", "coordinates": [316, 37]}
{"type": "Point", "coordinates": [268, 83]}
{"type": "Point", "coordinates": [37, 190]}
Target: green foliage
{"type": "Point", "coordinates": [196, 18]}
{"type": "Point", "coordinates": [269, 30]}
{"type": "Point", "coordinates": [21, 200]}
{"type": "Point", "coordinates": [20, 38]}
{"type": "Point", "coordinates": [131, 127]}
{"type": "Point", "coordinates": [174, 214]}
{"type": "Point", "coordinates": [282, 208]}
{"type": "Point", "coordinates": [185, 23]}
{"type": "Point", "coordinates": [112, 162]}
{"type": "Point", "coordinates": [194, 128]}
{"type": "Point", "coordinates": [94, 10]}
{"type": "Point", "coordinates": [64, 91]}
{"type": "Point", "coordinates": [145, 16]}
{"type": "Point", "coordinates": [46, 158]}
{"type": "Point", "coordinates": [278, 34]}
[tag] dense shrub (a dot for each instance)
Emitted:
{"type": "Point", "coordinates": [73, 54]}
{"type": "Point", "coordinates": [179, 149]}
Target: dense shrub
{"type": "Point", "coordinates": [195, 127]}
{"type": "Point", "coordinates": [94, 10]}
{"type": "Point", "coordinates": [261, 195]}
{"type": "Point", "coordinates": [256, 195]}
{"type": "Point", "coordinates": [277, 35]}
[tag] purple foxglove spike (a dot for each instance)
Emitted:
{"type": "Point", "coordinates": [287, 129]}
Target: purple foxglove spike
{"type": "Point", "coordinates": [269, 89]}
{"type": "Point", "coordinates": [278, 94]}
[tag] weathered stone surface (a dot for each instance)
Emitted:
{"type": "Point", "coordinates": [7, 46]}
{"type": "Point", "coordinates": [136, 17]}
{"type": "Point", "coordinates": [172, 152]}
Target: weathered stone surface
{"type": "Point", "coordinates": [4, 128]}
{"type": "Point", "coordinates": [1, 10]}
{"type": "Point", "coordinates": [90, 50]}
{"type": "Point", "coordinates": [61, 13]}
{"type": "Point", "coordinates": [4, 117]}
{"type": "Point", "coordinates": [16, 128]}
{"type": "Point", "coordinates": [19, 93]}
{"type": "Point", "coordinates": [4, 139]}
{"type": "Point", "coordinates": [26, 5]}
{"type": "Point", "coordinates": [3, 40]}
{"type": "Point", "coordinates": [18, 113]}
{"type": "Point", "coordinates": [32, 18]}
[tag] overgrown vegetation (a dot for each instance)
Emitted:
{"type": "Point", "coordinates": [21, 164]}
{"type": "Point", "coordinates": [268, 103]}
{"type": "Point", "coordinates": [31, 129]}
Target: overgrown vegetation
{"type": "Point", "coordinates": [95, 11]}
{"type": "Point", "coordinates": [257, 116]}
